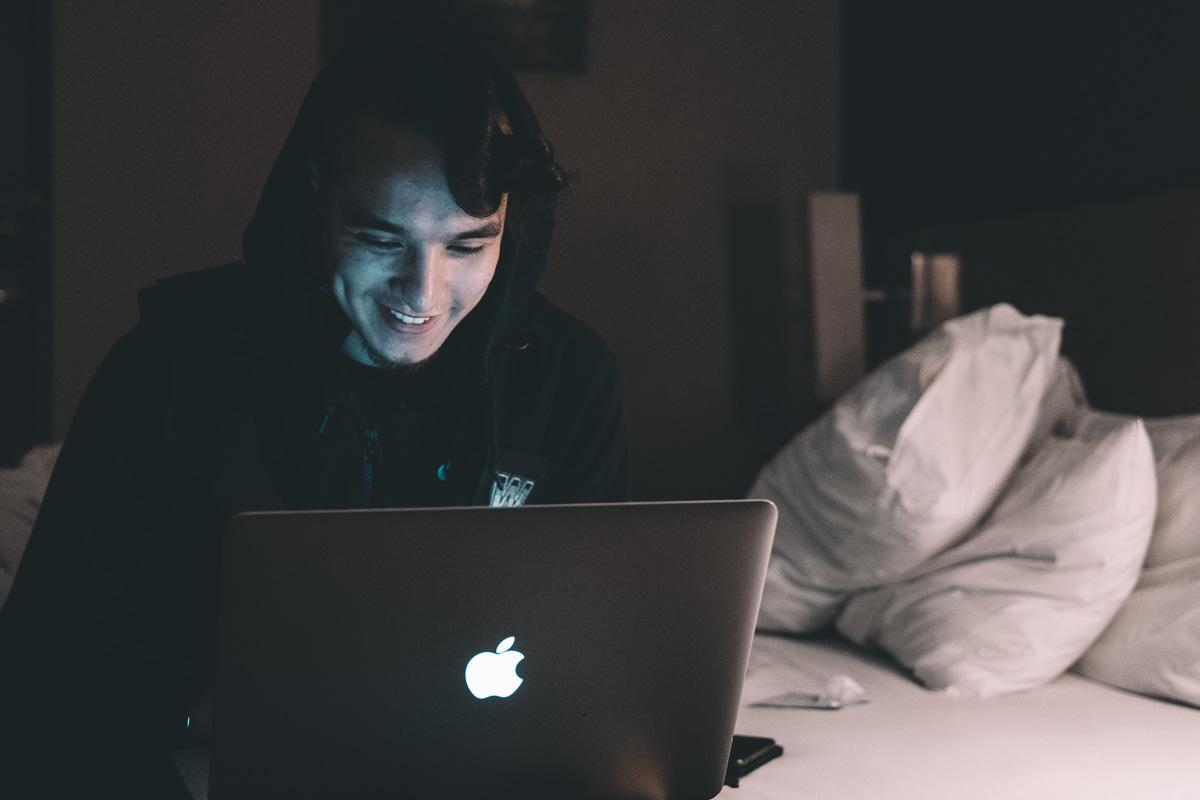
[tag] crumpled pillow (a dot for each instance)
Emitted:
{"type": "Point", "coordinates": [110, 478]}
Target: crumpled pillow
{"type": "Point", "coordinates": [1153, 644]}
{"type": "Point", "coordinates": [904, 464]}
{"type": "Point", "coordinates": [21, 492]}
{"type": "Point", "coordinates": [1176, 443]}
{"type": "Point", "coordinates": [1020, 600]}
{"type": "Point", "coordinates": [1061, 407]}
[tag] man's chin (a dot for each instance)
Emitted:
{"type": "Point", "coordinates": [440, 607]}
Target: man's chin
{"type": "Point", "coordinates": [396, 364]}
{"type": "Point", "coordinates": [361, 349]}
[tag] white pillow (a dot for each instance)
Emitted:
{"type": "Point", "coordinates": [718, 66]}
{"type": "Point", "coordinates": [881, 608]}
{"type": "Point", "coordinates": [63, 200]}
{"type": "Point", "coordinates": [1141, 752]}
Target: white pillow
{"type": "Point", "coordinates": [21, 491]}
{"type": "Point", "coordinates": [1176, 442]}
{"type": "Point", "coordinates": [1026, 594]}
{"type": "Point", "coordinates": [904, 464]}
{"type": "Point", "coordinates": [1061, 406]}
{"type": "Point", "coordinates": [1153, 644]}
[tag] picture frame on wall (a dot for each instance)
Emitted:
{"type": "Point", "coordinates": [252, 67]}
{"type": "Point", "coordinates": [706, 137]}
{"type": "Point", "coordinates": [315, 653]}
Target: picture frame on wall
{"type": "Point", "coordinates": [543, 36]}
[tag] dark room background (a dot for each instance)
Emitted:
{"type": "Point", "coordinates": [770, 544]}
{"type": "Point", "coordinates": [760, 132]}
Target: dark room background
{"type": "Point", "coordinates": [166, 117]}
{"type": "Point", "coordinates": [956, 113]}
{"type": "Point", "coordinates": [169, 115]}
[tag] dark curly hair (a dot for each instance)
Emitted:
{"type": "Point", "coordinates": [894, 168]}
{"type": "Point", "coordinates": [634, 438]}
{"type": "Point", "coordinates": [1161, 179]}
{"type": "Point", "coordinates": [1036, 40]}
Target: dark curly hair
{"type": "Point", "coordinates": [445, 85]}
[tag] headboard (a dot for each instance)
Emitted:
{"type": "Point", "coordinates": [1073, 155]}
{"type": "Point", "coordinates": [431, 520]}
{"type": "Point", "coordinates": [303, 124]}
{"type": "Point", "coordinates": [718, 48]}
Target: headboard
{"type": "Point", "coordinates": [1125, 276]}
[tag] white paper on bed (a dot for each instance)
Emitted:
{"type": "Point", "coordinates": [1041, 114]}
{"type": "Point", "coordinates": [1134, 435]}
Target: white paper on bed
{"type": "Point", "coordinates": [904, 464]}
{"type": "Point", "coordinates": [1153, 644]}
{"type": "Point", "coordinates": [1025, 595]}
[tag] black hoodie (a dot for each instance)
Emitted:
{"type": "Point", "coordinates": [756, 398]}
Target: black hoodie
{"type": "Point", "coordinates": [231, 395]}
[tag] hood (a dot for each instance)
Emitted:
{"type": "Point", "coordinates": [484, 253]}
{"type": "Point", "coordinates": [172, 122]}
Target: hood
{"type": "Point", "coordinates": [281, 244]}
{"type": "Point", "coordinates": [304, 327]}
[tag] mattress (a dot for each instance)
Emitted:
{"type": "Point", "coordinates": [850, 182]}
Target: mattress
{"type": "Point", "coordinates": [1074, 738]}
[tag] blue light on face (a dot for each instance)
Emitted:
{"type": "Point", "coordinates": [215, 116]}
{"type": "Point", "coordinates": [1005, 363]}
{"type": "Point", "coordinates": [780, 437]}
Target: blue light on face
{"type": "Point", "coordinates": [187, 723]}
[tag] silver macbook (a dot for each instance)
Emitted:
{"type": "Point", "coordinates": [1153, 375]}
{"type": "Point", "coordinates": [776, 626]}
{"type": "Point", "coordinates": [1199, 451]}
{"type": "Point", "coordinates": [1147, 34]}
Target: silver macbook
{"type": "Point", "coordinates": [545, 651]}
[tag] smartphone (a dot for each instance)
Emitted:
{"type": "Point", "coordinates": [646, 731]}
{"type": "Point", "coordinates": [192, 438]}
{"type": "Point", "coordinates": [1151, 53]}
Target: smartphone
{"type": "Point", "coordinates": [747, 754]}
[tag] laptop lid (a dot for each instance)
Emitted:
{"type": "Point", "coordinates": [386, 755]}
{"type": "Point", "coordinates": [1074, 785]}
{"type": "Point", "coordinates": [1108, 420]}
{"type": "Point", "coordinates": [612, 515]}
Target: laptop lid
{"type": "Point", "coordinates": [581, 651]}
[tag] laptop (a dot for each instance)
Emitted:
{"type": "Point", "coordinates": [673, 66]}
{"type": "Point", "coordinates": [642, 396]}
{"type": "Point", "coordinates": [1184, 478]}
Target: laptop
{"type": "Point", "coordinates": [541, 651]}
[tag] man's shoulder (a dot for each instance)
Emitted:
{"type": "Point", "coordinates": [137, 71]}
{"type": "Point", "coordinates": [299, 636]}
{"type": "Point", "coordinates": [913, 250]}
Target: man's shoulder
{"type": "Point", "coordinates": [206, 303]}
{"type": "Point", "coordinates": [542, 321]}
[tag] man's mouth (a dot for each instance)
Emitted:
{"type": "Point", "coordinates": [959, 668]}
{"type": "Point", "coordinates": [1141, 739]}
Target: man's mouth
{"type": "Point", "coordinates": [402, 322]}
{"type": "Point", "coordinates": [408, 319]}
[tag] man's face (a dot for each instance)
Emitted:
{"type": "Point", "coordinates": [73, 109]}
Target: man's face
{"type": "Point", "coordinates": [406, 264]}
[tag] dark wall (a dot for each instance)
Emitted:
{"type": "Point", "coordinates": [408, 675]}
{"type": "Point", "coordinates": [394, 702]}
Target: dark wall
{"type": "Point", "coordinates": [25, 57]}
{"type": "Point", "coordinates": [680, 102]}
{"type": "Point", "coordinates": [1123, 274]}
{"type": "Point", "coordinates": [962, 112]}
{"type": "Point", "coordinates": [167, 118]}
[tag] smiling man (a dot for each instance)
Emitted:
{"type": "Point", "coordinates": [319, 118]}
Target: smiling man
{"type": "Point", "coordinates": [407, 263]}
{"type": "Point", "coordinates": [381, 344]}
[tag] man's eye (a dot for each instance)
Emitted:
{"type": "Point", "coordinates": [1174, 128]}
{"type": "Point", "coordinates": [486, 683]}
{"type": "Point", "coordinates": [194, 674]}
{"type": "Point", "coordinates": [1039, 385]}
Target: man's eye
{"type": "Point", "coordinates": [464, 250]}
{"type": "Point", "coordinates": [380, 244]}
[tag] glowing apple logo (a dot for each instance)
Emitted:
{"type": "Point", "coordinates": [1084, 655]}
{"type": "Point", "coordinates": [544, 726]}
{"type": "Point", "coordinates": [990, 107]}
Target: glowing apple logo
{"type": "Point", "coordinates": [495, 674]}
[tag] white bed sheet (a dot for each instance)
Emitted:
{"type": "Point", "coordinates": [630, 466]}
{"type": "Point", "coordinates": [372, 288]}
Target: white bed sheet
{"type": "Point", "coordinates": [1074, 738]}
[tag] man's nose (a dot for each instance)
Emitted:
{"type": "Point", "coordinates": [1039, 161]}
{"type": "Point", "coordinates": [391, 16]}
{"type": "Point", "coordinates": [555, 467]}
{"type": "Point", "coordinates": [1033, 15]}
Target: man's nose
{"type": "Point", "coordinates": [415, 280]}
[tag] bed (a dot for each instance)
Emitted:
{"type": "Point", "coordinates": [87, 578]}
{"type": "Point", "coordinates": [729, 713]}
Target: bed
{"type": "Point", "coordinates": [1124, 277]}
{"type": "Point", "coordinates": [1074, 738]}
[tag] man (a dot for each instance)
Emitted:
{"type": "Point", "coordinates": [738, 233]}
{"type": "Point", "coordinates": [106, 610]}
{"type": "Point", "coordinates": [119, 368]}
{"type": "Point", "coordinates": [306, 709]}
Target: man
{"type": "Point", "coordinates": [382, 344]}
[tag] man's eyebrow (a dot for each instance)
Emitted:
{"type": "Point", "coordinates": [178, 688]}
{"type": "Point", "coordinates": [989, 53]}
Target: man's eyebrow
{"type": "Point", "coordinates": [361, 217]}
{"type": "Point", "coordinates": [353, 215]}
{"type": "Point", "coordinates": [489, 230]}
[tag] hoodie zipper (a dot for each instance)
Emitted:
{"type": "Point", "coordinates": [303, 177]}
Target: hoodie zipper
{"type": "Point", "coordinates": [370, 460]}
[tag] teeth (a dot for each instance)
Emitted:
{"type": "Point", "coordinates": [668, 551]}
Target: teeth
{"type": "Point", "coordinates": [407, 319]}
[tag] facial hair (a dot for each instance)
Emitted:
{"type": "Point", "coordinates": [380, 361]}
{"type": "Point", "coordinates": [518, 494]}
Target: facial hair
{"type": "Point", "coordinates": [378, 359]}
